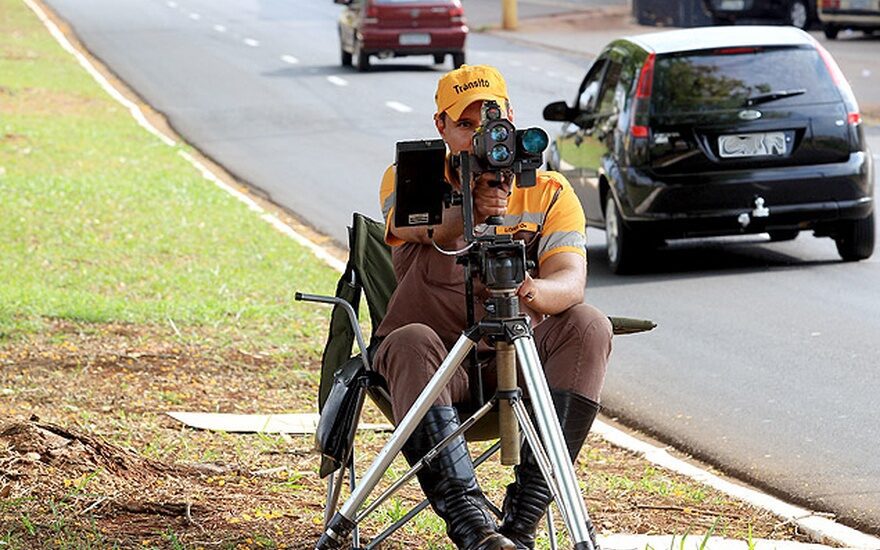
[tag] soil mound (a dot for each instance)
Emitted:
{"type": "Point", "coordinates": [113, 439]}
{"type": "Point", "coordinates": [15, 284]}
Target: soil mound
{"type": "Point", "coordinates": [35, 442]}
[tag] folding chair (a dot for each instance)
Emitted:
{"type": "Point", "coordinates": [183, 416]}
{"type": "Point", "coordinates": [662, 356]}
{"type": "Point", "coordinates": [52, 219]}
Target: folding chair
{"type": "Point", "coordinates": [369, 271]}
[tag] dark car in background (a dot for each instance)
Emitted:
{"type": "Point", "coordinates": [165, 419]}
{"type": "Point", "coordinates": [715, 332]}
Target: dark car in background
{"type": "Point", "coordinates": [837, 15]}
{"type": "Point", "coordinates": [398, 28]}
{"type": "Point", "coordinates": [797, 13]}
{"type": "Point", "coordinates": [716, 131]}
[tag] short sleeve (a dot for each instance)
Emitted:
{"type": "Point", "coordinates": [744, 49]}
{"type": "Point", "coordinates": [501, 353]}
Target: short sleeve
{"type": "Point", "coordinates": [386, 202]}
{"type": "Point", "coordinates": [565, 225]}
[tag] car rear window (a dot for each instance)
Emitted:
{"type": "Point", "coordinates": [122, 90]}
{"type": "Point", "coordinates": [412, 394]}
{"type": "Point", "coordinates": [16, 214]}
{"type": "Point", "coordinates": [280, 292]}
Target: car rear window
{"type": "Point", "coordinates": [726, 78]}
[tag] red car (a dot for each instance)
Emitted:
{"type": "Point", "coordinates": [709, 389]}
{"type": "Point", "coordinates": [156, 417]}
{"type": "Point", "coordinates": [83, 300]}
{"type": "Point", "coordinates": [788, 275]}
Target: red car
{"type": "Point", "coordinates": [397, 28]}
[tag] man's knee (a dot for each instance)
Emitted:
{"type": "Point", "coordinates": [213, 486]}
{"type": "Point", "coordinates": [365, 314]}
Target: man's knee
{"type": "Point", "coordinates": [588, 321]}
{"type": "Point", "coordinates": [411, 351]}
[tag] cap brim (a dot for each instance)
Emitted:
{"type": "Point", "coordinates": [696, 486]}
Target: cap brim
{"type": "Point", "coordinates": [454, 111]}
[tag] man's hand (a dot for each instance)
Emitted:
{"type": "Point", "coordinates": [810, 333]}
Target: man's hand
{"type": "Point", "coordinates": [560, 285]}
{"type": "Point", "coordinates": [490, 194]}
{"type": "Point", "coordinates": [528, 289]}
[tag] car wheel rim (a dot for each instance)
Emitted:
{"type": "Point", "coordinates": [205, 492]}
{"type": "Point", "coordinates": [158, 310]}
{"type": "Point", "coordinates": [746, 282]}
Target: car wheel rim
{"type": "Point", "coordinates": [798, 15]}
{"type": "Point", "coordinates": [612, 230]}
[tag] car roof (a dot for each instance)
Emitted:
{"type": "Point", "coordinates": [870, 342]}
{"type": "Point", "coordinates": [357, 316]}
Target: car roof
{"type": "Point", "coordinates": [705, 38]}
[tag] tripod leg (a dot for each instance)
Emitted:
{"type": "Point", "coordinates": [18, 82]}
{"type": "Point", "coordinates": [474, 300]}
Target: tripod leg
{"type": "Point", "coordinates": [346, 519]}
{"type": "Point", "coordinates": [551, 530]}
{"type": "Point", "coordinates": [505, 361]}
{"type": "Point", "coordinates": [569, 500]}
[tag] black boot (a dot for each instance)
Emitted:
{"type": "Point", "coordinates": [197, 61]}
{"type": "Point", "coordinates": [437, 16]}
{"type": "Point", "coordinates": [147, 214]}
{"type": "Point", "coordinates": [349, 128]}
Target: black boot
{"type": "Point", "coordinates": [528, 496]}
{"type": "Point", "coordinates": [450, 483]}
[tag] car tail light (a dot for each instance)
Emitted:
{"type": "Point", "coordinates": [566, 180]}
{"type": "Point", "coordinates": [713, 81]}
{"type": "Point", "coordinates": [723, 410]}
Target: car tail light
{"type": "Point", "coordinates": [639, 126]}
{"type": "Point", "coordinates": [831, 4]}
{"type": "Point", "coordinates": [456, 13]}
{"type": "Point", "coordinates": [372, 14]}
{"type": "Point", "coordinates": [854, 117]}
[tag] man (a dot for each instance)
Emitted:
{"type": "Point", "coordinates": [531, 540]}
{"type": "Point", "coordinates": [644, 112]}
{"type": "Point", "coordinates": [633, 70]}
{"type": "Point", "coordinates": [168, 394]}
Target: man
{"type": "Point", "coordinates": [427, 314]}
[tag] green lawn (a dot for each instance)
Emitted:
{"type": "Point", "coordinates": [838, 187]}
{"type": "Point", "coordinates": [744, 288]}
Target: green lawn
{"type": "Point", "coordinates": [102, 222]}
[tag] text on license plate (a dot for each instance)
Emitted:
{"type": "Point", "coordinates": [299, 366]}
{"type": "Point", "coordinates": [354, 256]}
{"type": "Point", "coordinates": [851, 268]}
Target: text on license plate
{"type": "Point", "coordinates": [733, 4]}
{"type": "Point", "coordinates": [752, 145]}
{"type": "Point", "coordinates": [857, 5]}
{"type": "Point", "coordinates": [415, 39]}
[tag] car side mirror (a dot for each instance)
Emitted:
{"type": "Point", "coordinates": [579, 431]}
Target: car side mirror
{"type": "Point", "coordinates": [558, 110]}
{"type": "Point", "coordinates": [343, 2]}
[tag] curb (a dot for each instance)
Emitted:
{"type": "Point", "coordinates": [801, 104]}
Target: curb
{"type": "Point", "coordinates": [819, 527]}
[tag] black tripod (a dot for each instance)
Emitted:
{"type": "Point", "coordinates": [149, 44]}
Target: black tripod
{"type": "Point", "coordinates": [500, 263]}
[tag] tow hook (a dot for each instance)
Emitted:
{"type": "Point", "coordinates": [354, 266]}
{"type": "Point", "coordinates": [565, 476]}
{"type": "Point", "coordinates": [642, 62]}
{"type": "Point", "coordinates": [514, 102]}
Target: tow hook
{"type": "Point", "coordinates": [759, 211]}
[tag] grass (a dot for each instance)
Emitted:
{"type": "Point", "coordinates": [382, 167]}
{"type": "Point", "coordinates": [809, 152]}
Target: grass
{"type": "Point", "coordinates": [102, 222]}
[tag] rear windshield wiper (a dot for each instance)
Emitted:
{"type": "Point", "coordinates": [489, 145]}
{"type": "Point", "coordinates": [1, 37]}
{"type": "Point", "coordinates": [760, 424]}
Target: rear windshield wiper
{"type": "Point", "coordinates": [772, 96]}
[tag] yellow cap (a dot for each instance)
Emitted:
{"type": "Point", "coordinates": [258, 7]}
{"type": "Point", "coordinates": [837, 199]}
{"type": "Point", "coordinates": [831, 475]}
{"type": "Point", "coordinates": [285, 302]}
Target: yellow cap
{"type": "Point", "coordinates": [461, 87]}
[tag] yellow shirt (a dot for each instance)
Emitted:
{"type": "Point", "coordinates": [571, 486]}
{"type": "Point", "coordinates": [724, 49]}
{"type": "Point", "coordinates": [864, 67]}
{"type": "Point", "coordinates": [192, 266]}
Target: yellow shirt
{"type": "Point", "coordinates": [430, 286]}
{"type": "Point", "coordinates": [549, 211]}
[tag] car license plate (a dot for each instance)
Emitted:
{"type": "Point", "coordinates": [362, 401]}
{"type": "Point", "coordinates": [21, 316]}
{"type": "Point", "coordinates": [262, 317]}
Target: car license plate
{"type": "Point", "coordinates": [858, 5]}
{"type": "Point", "coordinates": [752, 145]}
{"type": "Point", "coordinates": [415, 39]}
{"type": "Point", "coordinates": [738, 5]}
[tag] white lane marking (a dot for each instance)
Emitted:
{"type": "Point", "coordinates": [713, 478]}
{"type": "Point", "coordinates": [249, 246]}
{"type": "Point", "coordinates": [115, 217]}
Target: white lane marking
{"type": "Point", "coordinates": [399, 107]}
{"type": "Point", "coordinates": [251, 42]}
{"type": "Point", "coordinates": [195, 16]}
{"type": "Point", "coordinates": [171, 4]}
{"type": "Point", "coordinates": [219, 28]}
{"type": "Point", "coordinates": [338, 81]}
{"type": "Point", "coordinates": [289, 59]}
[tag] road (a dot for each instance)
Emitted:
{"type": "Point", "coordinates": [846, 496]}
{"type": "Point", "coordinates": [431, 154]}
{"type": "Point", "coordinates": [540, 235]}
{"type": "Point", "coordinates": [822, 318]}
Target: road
{"type": "Point", "coordinates": [765, 361]}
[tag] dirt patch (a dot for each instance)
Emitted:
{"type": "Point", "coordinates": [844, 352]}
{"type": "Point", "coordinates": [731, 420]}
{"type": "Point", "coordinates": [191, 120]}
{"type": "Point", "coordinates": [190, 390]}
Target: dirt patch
{"type": "Point", "coordinates": [40, 101]}
{"type": "Point", "coordinates": [19, 56]}
{"type": "Point", "coordinates": [78, 485]}
{"type": "Point", "coordinates": [86, 455]}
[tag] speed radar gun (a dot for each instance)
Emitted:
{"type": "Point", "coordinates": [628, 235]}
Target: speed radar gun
{"type": "Point", "coordinates": [499, 262]}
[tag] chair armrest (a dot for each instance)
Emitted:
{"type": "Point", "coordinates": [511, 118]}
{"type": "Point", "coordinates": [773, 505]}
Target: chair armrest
{"type": "Point", "coordinates": [627, 325]}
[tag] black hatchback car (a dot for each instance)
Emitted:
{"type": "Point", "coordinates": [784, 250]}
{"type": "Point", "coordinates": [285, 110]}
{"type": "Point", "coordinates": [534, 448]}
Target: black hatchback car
{"type": "Point", "coordinates": [716, 131]}
{"type": "Point", "coordinates": [797, 13]}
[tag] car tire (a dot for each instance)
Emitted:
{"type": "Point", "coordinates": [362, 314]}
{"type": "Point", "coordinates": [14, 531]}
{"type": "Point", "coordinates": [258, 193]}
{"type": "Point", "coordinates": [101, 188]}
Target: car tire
{"type": "Point", "coordinates": [439, 58]}
{"type": "Point", "coordinates": [782, 235]}
{"type": "Point", "coordinates": [622, 249]}
{"type": "Point", "coordinates": [344, 56]}
{"type": "Point", "coordinates": [855, 239]}
{"type": "Point", "coordinates": [830, 31]}
{"type": "Point", "coordinates": [457, 59]}
{"type": "Point", "coordinates": [361, 58]}
{"type": "Point", "coordinates": [799, 14]}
